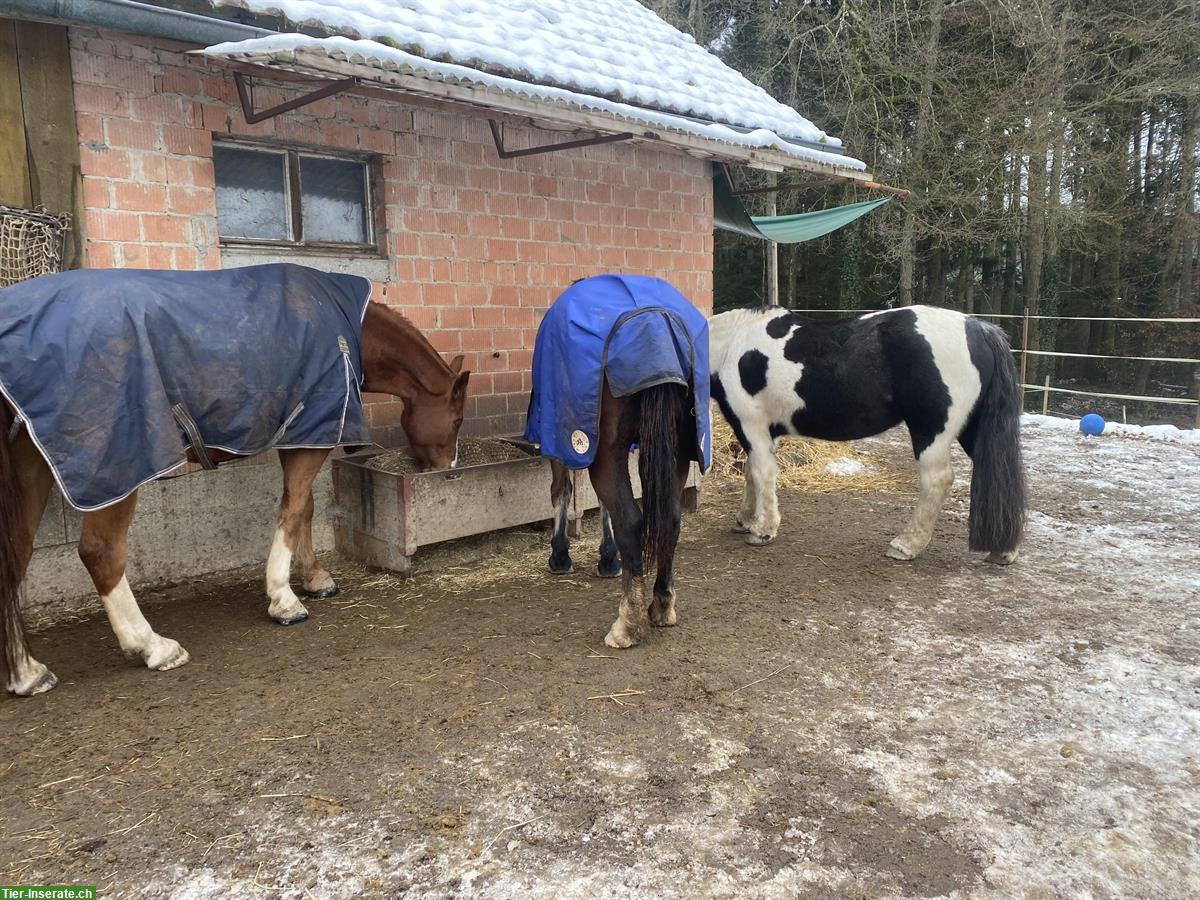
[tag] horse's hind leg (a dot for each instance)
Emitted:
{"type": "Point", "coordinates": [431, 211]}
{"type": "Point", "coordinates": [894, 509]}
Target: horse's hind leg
{"type": "Point", "coordinates": [610, 478]}
{"type": "Point", "coordinates": [610, 564]}
{"type": "Point", "coordinates": [763, 470]}
{"type": "Point", "coordinates": [293, 537]}
{"type": "Point", "coordinates": [562, 491]}
{"type": "Point", "coordinates": [103, 547]}
{"type": "Point", "coordinates": [662, 608]}
{"type": "Point", "coordinates": [934, 476]}
{"type": "Point", "coordinates": [28, 676]}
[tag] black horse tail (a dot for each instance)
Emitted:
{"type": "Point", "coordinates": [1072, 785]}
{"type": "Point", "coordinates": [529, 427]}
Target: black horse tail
{"type": "Point", "coordinates": [997, 518]}
{"type": "Point", "coordinates": [661, 417]}
{"type": "Point", "coordinates": [12, 635]}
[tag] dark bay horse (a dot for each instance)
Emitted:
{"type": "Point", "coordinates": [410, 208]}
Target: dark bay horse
{"type": "Point", "coordinates": [395, 359]}
{"type": "Point", "coordinates": [945, 375]}
{"type": "Point", "coordinates": [621, 361]}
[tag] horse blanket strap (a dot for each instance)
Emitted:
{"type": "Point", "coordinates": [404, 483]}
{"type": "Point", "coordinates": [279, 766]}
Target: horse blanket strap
{"type": "Point", "coordinates": [117, 373]}
{"type": "Point", "coordinates": [14, 429]}
{"type": "Point", "coordinates": [193, 436]}
{"type": "Point", "coordinates": [634, 330]}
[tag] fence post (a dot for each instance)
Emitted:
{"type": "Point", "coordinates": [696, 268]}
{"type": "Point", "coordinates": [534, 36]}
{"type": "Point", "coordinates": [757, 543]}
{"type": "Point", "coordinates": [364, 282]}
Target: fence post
{"type": "Point", "coordinates": [1196, 394]}
{"type": "Point", "coordinates": [1046, 397]}
{"type": "Point", "coordinates": [1024, 345]}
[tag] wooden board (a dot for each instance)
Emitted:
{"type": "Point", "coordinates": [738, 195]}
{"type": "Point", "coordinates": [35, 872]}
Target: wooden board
{"type": "Point", "coordinates": [50, 133]}
{"type": "Point", "coordinates": [15, 189]}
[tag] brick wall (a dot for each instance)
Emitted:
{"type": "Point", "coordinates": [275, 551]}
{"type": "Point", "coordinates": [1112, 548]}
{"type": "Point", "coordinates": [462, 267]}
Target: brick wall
{"type": "Point", "coordinates": [477, 247]}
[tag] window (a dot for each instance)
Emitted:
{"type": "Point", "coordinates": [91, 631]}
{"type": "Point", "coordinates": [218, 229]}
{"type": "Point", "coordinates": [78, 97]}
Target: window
{"type": "Point", "coordinates": [282, 196]}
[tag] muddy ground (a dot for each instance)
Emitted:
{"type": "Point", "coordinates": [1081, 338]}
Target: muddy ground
{"type": "Point", "coordinates": [824, 721]}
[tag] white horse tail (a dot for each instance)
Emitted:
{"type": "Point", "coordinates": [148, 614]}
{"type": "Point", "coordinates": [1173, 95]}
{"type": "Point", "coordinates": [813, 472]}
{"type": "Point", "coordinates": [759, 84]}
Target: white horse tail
{"type": "Point", "coordinates": [997, 518]}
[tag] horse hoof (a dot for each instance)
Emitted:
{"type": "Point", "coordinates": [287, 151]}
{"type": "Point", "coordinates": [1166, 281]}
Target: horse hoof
{"type": "Point", "coordinates": [324, 593]}
{"type": "Point", "coordinates": [738, 528]}
{"type": "Point", "coordinates": [618, 637]}
{"type": "Point", "coordinates": [560, 566]}
{"type": "Point", "coordinates": [663, 618]}
{"type": "Point", "coordinates": [895, 551]}
{"type": "Point", "coordinates": [1002, 559]}
{"type": "Point", "coordinates": [601, 571]}
{"type": "Point", "coordinates": [38, 681]}
{"type": "Point", "coordinates": [759, 540]}
{"type": "Point", "coordinates": [290, 615]}
{"type": "Point", "coordinates": [166, 656]}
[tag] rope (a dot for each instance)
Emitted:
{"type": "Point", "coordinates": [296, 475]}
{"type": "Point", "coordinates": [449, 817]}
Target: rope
{"type": "Point", "coordinates": [1181, 401]}
{"type": "Point", "coordinates": [31, 243]}
{"type": "Point", "coordinates": [1168, 359]}
{"type": "Point", "coordinates": [859, 312]}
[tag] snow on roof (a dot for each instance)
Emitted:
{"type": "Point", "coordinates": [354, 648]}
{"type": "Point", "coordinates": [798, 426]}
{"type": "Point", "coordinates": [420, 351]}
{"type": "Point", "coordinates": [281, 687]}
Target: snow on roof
{"type": "Point", "coordinates": [590, 50]}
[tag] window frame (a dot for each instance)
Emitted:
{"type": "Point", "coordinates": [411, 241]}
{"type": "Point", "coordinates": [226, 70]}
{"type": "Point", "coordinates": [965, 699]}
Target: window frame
{"type": "Point", "coordinates": [291, 152]}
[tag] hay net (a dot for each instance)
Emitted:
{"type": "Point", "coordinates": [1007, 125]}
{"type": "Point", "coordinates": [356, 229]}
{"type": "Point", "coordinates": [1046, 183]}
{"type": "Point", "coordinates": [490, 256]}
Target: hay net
{"type": "Point", "coordinates": [31, 243]}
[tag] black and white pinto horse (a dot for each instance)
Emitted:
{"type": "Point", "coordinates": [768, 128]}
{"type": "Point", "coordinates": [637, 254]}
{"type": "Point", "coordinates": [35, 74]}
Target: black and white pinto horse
{"type": "Point", "coordinates": [945, 375]}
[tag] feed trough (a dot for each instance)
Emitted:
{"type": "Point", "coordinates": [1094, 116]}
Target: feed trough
{"type": "Point", "coordinates": [382, 517]}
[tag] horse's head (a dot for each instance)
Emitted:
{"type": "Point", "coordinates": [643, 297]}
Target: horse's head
{"type": "Point", "coordinates": [432, 420]}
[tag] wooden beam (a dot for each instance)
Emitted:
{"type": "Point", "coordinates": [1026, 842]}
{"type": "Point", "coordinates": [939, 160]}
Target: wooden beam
{"type": "Point", "coordinates": [15, 189]}
{"type": "Point", "coordinates": [51, 137]}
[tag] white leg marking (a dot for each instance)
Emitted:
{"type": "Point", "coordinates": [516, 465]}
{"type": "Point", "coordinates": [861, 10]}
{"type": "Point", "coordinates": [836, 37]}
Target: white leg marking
{"type": "Point", "coordinates": [134, 634]}
{"type": "Point", "coordinates": [30, 677]}
{"type": "Point", "coordinates": [285, 607]}
{"type": "Point", "coordinates": [749, 503]}
{"type": "Point", "coordinates": [763, 470]}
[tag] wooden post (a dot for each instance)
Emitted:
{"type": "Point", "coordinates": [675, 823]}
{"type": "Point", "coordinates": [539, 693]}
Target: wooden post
{"type": "Point", "coordinates": [1046, 397]}
{"type": "Point", "coordinates": [1196, 394]}
{"type": "Point", "coordinates": [772, 259]}
{"type": "Point", "coordinates": [1024, 346]}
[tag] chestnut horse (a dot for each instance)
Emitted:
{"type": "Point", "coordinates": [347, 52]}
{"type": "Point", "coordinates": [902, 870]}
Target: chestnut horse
{"type": "Point", "coordinates": [396, 359]}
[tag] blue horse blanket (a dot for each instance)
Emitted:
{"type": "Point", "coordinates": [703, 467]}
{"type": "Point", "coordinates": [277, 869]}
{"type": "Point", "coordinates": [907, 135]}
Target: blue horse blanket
{"type": "Point", "coordinates": [634, 330]}
{"type": "Point", "coordinates": [116, 373]}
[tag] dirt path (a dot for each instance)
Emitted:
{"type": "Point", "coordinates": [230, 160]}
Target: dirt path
{"type": "Point", "coordinates": [824, 721]}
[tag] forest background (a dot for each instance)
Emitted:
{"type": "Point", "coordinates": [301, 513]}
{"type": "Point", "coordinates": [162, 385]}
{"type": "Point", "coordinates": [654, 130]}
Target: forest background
{"type": "Point", "coordinates": [1050, 147]}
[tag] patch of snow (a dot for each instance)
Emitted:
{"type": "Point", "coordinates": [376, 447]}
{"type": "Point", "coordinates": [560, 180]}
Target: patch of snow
{"type": "Point", "coordinates": [847, 466]}
{"type": "Point", "coordinates": [617, 49]}
{"type": "Point", "coordinates": [1158, 432]}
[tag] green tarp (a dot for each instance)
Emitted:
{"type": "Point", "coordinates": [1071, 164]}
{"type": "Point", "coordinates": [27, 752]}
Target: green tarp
{"type": "Point", "coordinates": [729, 214]}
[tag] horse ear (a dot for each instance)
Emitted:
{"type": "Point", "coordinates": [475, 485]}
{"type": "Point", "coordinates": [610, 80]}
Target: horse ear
{"type": "Point", "coordinates": [456, 364]}
{"type": "Point", "coordinates": [460, 383]}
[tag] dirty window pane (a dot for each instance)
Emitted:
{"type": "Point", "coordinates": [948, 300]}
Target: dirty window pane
{"type": "Point", "coordinates": [333, 200]}
{"type": "Point", "coordinates": [251, 194]}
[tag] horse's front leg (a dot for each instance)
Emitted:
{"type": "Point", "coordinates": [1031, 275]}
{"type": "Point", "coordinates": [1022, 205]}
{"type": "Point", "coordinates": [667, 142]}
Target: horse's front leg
{"type": "Point", "coordinates": [104, 549]}
{"type": "Point", "coordinates": [745, 516]}
{"type": "Point", "coordinates": [762, 470]}
{"type": "Point", "coordinates": [317, 582]}
{"type": "Point", "coordinates": [662, 609]}
{"type": "Point", "coordinates": [562, 492]}
{"type": "Point", "coordinates": [293, 539]}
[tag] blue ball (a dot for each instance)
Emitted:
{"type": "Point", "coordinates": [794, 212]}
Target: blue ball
{"type": "Point", "coordinates": [1092, 424]}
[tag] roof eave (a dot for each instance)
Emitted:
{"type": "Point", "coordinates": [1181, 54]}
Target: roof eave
{"type": "Point", "coordinates": [491, 101]}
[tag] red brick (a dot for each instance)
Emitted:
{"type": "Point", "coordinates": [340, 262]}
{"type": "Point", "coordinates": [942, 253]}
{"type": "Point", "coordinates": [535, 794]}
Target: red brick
{"type": "Point", "coordinates": [100, 255]}
{"type": "Point", "coordinates": [181, 200]}
{"type": "Point", "coordinates": [140, 197]}
{"type": "Point", "coordinates": [105, 225]}
{"type": "Point", "coordinates": [167, 229]}
{"type": "Point", "coordinates": [103, 162]}
{"type": "Point", "coordinates": [95, 193]}
{"type": "Point", "coordinates": [185, 141]}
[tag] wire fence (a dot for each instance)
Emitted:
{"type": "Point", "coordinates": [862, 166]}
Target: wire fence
{"type": "Point", "coordinates": [1023, 353]}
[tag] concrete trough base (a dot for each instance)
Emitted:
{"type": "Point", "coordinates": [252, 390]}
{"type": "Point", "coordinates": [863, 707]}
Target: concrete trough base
{"type": "Point", "coordinates": [381, 519]}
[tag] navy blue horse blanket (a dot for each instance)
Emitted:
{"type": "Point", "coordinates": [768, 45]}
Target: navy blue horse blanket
{"type": "Point", "coordinates": [116, 373]}
{"type": "Point", "coordinates": [634, 330]}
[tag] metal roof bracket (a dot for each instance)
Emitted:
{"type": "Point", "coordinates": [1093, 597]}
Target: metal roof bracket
{"type": "Point", "coordinates": [245, 87]}
{"type": "Point", "coordinates": [498, 137]}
